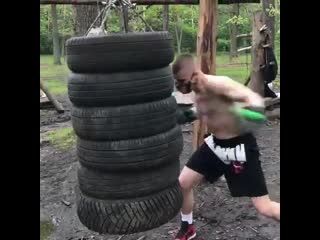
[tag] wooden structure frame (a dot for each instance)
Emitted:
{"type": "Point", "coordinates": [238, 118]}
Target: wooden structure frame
{"type": "Point", "coordinates": [206, 42]}
{"type": "Point", "coordinates": [145, 2]}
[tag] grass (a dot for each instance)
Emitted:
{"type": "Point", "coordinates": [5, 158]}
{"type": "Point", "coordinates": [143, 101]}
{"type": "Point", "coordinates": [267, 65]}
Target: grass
{"type": "Point", "coordinates": [54, 76]}
{"type": "Point", "coordinates": [237, 69]}
{"type": "Point", "coordinates": [57, 87]}
{"type": "Point", "coordinates": [46, 228]}
{"type": "Point", "coordinates": [62, 139]}
{"type": "Point", "coordinates": [50, 70]}
{"type": "Point", "coordinates": [238, 74]}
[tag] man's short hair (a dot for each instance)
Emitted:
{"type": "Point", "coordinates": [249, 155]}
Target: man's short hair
{"type": "Point", "coordinates": [176, 66]}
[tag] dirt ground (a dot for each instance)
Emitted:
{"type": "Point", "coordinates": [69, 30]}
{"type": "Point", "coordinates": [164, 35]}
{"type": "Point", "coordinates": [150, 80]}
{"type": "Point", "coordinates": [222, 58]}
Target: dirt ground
{"type": "Point", "coordinates": [217, 215]}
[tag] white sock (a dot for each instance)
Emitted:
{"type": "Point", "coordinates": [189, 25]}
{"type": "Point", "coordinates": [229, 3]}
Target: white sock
{"type": "Point", "coordinates": [187, 218]}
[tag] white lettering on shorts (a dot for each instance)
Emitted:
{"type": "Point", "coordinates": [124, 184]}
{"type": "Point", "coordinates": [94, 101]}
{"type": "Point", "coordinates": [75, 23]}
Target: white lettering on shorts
{"type": "Point", "coordinates": [227, 155]}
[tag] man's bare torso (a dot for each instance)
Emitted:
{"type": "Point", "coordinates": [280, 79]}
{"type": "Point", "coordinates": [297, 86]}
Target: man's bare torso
{"type": "Point", "coordinates": [215, 111]}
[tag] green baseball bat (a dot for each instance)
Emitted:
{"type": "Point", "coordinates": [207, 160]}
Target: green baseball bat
{"type": "Point", "coordinates": [248, 114]}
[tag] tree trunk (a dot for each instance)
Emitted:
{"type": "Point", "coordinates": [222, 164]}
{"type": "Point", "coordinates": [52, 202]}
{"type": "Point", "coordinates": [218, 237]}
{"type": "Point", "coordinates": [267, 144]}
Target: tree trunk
{"type": "Point", "coordinates": [84, 15]}
{"type": "Point", "coordinates": [256, 82]}
{"type": "Point", "coordinates": [178, 31]}
{"type": "Point", "coordinates": [206, 51]}
{"type": "Point", "coordinates": [207, 35]}
{"type": "Point", "coordinates": [55, 35]}
{"type": "Point", "coordinates": [62, 41]}
{"type": "Point", "coordinates": [125, 19]}
{"type": "Point", "coordinates": [270, 21]}
{"type": "Point", "coordinates": [165, 17]}
{"type": "Point", "coordinates": [234, 32]}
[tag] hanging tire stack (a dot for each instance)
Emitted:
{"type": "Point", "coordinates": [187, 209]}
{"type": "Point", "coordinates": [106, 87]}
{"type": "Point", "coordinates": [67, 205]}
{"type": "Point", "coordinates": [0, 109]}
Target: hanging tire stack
{"type": "Point", "coordinates": [128, 138]}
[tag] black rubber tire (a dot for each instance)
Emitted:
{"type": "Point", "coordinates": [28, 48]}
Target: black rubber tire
{"type": "Point", "coordinates": [115, 89]}
{"type": "Point", "coordinates": [132, 154]}
{"type": "Point", "coordinates": [119, 52]}
{"type": "Point", "coordinates": [110, 185]}
{"type": "Point", "coordinates": [124, 122]}
{"type": "Point", "coordinates": [130, 215]}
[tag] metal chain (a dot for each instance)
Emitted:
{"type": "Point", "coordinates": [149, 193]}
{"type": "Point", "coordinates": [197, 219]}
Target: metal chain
{"type": "Point", "coordinates": [104, 12]}
{"type": "Point", "coordinates": [109, 4]}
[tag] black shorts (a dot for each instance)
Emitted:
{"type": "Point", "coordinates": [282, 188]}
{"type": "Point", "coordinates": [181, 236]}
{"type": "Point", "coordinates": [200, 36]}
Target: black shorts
{"type": "Point", "coordinates": [237, 159]}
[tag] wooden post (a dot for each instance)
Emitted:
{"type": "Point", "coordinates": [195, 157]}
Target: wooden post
{"type": "Point", "coordinates": [256, 82]}
{"type": "Point", "coordinates": [206, 52]}
{"type": "Point", "coordinates": [270, 20]}
{"type": "Point", "coordinates": [54, 101]}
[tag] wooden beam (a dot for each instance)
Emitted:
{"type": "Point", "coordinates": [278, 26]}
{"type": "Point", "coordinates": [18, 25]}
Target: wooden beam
{"type": "Point", "coordinates": [244, 35]}
{"type": "Point", "coordinates": [139, 2]}
{"type": "Point", "coordinates": [54, 101]}
{"type": "Point", "coordinates": [144, 2]}
{"type": "Point", "coordinates": [45, 103]}
{"type": "Point", "coordinates": [206, 52]}
{"type": "Point", "coordinates": [256, 82]}
{"type": "Point", "coordinates": [244, 49]}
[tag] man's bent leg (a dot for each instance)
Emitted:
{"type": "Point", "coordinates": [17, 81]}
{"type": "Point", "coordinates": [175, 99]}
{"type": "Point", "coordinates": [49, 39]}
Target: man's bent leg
{"type": "Point", "coordinates": [202, 164]}
{"type": "Point", "coordinates": [267, 207]}
{"type": "Point", "coordinates": [188, 179]}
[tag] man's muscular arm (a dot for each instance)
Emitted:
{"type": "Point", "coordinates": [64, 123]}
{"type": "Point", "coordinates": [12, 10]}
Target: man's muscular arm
{"type": "Point", "coordinates": [227, 87]}
{"type": "Point", "coordinates": [234, 90]}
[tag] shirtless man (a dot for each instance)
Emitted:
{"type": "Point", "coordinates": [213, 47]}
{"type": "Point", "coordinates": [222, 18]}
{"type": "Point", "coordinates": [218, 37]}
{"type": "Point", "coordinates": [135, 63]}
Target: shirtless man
{"type": "Point", "coordinates": [229, 152]}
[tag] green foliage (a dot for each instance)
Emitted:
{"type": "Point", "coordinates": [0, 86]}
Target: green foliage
{"type": "Point", "coordinates": [189, 40]}
{"type": "Point", "coordinates": [45, 38]}
{"type": "Point", "coordinates": [223, 45]}
{"type": "Point", "coordinates": [238, 20]}
{"type": "Point", "coordinates": [183, 24]}
{"type": "Point", "coordinates": [273, 11]}
{"type": "Point", "coordinates": [113, 24]}
{"type": "Point", "coordinates": [65, 25]}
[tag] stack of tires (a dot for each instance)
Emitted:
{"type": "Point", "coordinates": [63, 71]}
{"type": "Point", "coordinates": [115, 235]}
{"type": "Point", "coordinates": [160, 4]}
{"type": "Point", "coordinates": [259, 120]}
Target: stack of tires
{"type": "Point", "coordinates": [128, 138]}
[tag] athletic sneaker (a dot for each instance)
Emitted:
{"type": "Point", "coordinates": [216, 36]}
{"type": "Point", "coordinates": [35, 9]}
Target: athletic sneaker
{"type": "Point", "coordinates": [187, 232]}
